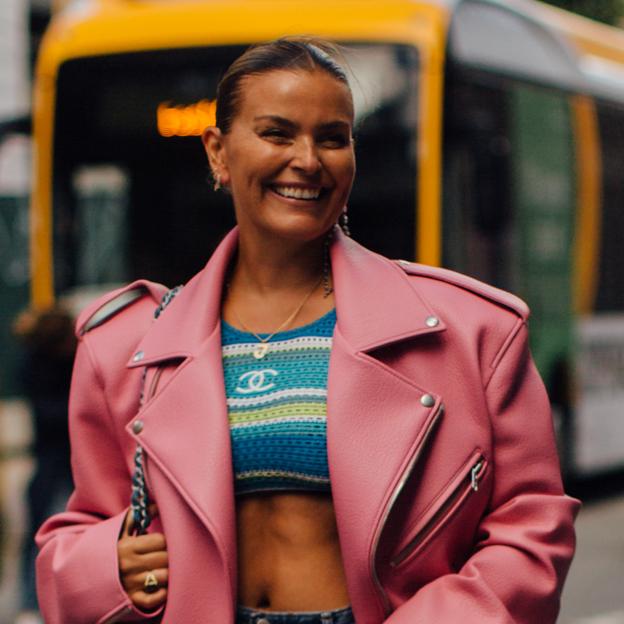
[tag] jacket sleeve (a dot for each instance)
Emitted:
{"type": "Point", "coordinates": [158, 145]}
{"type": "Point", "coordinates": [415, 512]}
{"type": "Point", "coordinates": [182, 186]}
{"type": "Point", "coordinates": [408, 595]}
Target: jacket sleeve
{"type": "Point", "coordinates": [77, 567]}
{"type": "Point", "coordinates": [525, 540]}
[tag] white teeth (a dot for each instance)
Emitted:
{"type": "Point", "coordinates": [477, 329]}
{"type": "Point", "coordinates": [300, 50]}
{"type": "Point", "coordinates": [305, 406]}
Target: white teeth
{"type": "Point", "coordinates": [297, 193]}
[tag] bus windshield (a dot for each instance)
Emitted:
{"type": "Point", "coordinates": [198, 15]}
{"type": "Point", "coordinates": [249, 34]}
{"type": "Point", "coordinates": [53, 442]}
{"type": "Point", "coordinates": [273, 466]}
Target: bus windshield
{"type": "Point", "coordinates": [131, 189]}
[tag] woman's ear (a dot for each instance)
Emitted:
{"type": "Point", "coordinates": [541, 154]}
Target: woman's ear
{"type": "Point", "coordinates": [214, 144]}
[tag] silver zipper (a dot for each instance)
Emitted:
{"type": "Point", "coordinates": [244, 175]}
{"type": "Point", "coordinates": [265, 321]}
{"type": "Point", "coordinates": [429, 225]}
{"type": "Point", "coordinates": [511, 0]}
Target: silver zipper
{"type": "Point", "coordinates": [395, 495]}
{"type": "Point", "coordinates": [475, 475]}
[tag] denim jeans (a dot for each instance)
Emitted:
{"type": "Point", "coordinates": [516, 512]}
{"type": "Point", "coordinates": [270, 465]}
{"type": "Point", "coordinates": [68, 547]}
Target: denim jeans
{"type": "Point", "coordinates": [246, 615]}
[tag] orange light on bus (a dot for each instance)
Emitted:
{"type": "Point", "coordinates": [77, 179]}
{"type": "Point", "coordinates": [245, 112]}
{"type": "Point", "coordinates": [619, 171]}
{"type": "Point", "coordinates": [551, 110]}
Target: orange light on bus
{"type": "Point", "coordinates": [190, 120]}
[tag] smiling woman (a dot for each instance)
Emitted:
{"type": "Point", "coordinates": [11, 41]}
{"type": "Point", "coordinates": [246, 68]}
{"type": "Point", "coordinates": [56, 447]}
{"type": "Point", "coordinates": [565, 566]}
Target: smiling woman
{"type": "Point", "coordinates": [313, 433]}
{"type": "Point", "coordinates": [287, 154]}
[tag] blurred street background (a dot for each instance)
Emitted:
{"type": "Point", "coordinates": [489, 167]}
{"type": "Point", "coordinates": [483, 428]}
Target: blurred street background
{"type": "Point", "coordinates": [490, 140]}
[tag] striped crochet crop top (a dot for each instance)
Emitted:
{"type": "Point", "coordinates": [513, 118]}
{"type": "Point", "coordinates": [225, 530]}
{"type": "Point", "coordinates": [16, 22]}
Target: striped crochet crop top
{"type": "Point", "coordinates": [277, 407]}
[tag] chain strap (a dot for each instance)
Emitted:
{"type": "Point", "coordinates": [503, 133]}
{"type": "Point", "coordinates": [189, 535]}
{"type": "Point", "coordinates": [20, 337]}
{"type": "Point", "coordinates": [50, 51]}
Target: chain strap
{"type": "Point", "coordinates": [139, 500]}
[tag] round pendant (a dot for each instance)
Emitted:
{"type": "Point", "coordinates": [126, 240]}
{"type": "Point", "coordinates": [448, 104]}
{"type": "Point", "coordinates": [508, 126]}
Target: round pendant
{"type": "Point", "coordinates": [261, 350]}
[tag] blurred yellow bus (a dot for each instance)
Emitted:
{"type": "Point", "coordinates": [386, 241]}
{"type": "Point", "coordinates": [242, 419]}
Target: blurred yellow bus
{"type": "Point", "coordinates": [489, 140]}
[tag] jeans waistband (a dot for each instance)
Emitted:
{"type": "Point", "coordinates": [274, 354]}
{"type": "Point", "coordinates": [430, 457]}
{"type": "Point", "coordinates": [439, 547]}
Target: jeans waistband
{"type": "Point", "coordinates": [247, 615]}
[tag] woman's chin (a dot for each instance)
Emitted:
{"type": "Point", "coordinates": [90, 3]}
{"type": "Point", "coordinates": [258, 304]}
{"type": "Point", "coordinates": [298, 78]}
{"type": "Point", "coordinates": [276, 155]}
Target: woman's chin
{"type": "Point", "coordinates": [303, 230]}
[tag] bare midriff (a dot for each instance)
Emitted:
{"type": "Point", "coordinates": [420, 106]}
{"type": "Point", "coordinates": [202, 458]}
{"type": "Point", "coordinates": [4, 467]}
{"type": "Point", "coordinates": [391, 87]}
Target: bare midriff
{"type": "Point", "coordinates": [289, 556]}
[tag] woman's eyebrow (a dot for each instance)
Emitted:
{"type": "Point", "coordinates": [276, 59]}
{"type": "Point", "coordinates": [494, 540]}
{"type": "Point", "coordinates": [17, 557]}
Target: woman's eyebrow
{"type": "Point", "coordinates": [277, 120]}
{"type": "Point", "coordinates": [282, 121]}
{"type": "Point", "coordinates": [335, 125]}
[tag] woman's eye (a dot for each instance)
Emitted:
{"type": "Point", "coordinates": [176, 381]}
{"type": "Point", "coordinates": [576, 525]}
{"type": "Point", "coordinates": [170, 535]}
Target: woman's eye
{"type": "Point", "coordinates": [335, 140]}
{"type": "Point", "coordinates": [276, 134]}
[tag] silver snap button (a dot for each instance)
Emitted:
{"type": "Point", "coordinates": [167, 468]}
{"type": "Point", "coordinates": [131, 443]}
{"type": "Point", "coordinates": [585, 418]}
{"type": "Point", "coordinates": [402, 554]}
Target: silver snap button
{"type": "Point", "coordinates": [137, 426]}
{"type": "Point", "coordinates": [427, 400]}
{"type": "Point", "coordinates": [138, 356]}
{"type": "Point", "coordinates": [432, 321]}
{"type": "Point", "coordinates": [263, 621]}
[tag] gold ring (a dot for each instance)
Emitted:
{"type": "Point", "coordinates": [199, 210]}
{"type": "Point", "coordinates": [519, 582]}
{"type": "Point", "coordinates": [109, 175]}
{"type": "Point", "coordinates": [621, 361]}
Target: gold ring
{"type": "Point", "coordinates": [150, 584]}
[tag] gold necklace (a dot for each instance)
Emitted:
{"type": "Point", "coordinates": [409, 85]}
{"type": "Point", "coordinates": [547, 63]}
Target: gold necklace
{"type": "Point", "coordinates": [263, 348]}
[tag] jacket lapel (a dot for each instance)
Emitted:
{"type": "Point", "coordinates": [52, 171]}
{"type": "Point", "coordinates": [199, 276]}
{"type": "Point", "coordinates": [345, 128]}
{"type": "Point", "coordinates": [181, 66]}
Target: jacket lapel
{"type": "Point", "coordinates": [186, 434]}
{"type": "Point", "coordinates": [185, 426]}
{"type": "Point", "coordinates": [377, 419]}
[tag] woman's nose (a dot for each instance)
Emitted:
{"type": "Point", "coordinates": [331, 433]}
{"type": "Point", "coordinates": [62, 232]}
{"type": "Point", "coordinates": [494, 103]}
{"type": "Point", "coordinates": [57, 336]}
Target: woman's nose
{"type": "Point", "coordinates": [306, 156]}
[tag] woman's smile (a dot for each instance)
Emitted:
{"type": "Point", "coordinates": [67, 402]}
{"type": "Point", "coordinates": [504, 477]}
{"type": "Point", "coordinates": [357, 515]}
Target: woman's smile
{"type": "Point", "coordinates": [297, 191]}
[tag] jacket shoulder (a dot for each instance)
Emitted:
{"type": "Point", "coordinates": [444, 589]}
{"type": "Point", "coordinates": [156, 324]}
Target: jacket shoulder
{"type": "Point", "coordinates": [481, 289]}
{"type": "Point", "coordinates": [111, 304]}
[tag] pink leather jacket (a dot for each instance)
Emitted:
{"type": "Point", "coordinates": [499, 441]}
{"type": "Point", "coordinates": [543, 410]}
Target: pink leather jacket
{"type": "Point", "coordinates": [443, 467]}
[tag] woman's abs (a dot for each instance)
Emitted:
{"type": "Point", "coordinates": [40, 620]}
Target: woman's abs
{"type": "Point", "coordinates": [288, 553]}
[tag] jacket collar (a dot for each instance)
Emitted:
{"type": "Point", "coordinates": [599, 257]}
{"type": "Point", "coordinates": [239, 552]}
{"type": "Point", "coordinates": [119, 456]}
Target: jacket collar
{"type": "Point", "coordinates": [376, 304]}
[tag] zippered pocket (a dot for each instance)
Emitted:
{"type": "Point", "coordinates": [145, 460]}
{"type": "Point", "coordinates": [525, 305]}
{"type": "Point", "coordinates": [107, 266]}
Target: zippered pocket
{"type": "Point", "coordinates": [465, 483]}
{"type": "Point", "coordinates": [154, 384]}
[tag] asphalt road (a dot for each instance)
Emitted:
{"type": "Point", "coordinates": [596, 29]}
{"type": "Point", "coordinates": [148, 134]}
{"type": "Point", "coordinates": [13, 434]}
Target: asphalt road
{"type": "Point", "coordinates": [594, 593]}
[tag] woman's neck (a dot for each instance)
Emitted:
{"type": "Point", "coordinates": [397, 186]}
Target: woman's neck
{"type": "Point", "coordinates": [266, 267]}
{"type": "Point", "coordinates": [270, 281]}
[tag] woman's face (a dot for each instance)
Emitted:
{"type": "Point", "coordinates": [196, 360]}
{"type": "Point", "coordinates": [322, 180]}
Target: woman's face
{"type": "Point", "coordinates": [288, 158]}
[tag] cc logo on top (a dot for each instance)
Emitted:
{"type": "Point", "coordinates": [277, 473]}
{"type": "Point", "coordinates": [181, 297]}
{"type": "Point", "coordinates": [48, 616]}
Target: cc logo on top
{"type": "Point", "coordinates": [256, 381]}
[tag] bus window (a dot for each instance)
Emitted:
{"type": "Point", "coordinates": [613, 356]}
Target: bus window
{"type": "Point", "coordinates": [139, 115]}
{"type": "Point", "coordinates": [509, 198]}
{"type": "Point", "coordinates": [382, 205]}
{"type": "Point", "coordinates": [101, 194]}
{"type": "Point", "coordinates": [610, 293]}
{"type": "Point", "coordinates": [476, 192]}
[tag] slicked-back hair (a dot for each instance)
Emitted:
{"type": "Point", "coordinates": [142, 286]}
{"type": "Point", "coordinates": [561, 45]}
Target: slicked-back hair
{"type": "Point", "coordinates": [287, 53]}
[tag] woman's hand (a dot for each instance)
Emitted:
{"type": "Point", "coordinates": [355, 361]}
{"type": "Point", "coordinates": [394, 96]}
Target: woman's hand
{"type": "Point", "coordinates": [140, 555]}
